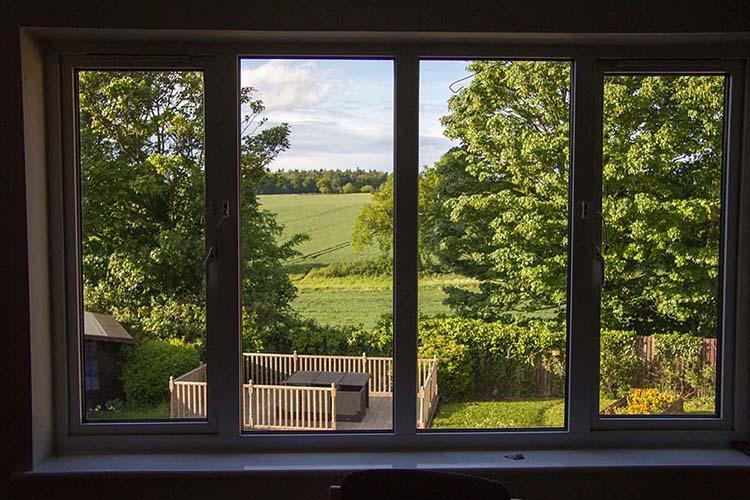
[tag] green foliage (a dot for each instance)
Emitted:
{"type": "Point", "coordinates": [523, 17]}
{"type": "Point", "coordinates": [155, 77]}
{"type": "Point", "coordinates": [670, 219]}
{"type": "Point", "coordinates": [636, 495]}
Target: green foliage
{"type": "Point", "coordinates": [500, 209]}
{"type": "Point", "coordinates": [646, 402]}
{"type": "Point", "coordinates": [680, 361]}
{"type": "Point", "coordinates": [661, 186]}
{"type": "Point", "coordinates": [356, 268]}
{"type": "Point", "coordinates": [496, 208]}
{"type": "Point", "coordinates": [491, 360]}
{"type": "Point", "coordinates": [149, 365]}
{"type": "Point", "coordinates": [374, 224]}
{"type": "Point", "coordinates": [307, 336]}
{"type": "Point", "coordinates": [143, 189]}
{"type": "Point", "coordinates": [141, 147]}
{"type": "Point", "coordinates": [322, 181]}
{"type": "Point", "coordinates": [620, 366]}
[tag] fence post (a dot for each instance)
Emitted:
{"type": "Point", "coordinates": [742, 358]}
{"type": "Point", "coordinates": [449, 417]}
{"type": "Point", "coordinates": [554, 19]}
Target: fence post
{"type": "Point", "coordinates": [420, 410]}
{"type": "Point", "coordinates": [249, 409]}
{"type": "Point", "coordinates": [171, 397]}
{"type": "Point", "coordinates": [333, 406]}
{"type": "Point", "coordinates": [294, 362]}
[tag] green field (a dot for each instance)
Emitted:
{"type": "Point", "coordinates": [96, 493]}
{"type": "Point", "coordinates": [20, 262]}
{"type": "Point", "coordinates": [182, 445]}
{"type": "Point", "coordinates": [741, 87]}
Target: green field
{"type": "Point", "coordinates": [326, 218]}
{"type": "Point", "coordinates": [349, 300]}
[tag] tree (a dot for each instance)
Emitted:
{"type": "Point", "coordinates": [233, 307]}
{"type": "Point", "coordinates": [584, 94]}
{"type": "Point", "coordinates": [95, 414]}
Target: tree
{"type": "Point", "coordinates": [141, 147]}
{"type": "Point", "coordinates": [348, 188]}
{"type": "Point", "coordinates": [501, 203]}
{"type": "Point", "coordinates": [143, 184]}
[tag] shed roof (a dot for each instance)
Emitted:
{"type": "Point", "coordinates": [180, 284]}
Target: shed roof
{"type": "Point", "coordinates": [103, 327]}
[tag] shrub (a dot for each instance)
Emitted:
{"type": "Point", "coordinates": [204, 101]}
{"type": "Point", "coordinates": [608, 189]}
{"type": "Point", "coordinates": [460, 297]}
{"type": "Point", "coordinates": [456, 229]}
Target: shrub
{"type": "Point", "coordinates": [367, 188]}
{"type": "Point", "coordinates": [149, 365]}
{"type": "Point", "coordinates": [349, 188]}
{"type": "Point", "coordinates": [492, 360]}
{"type": "Point", "coordinates": [646, 402]}
{"type": "Point", "coordinates": [679, 358]}
{"type": "Point", "coordinates": [620, 364]}
{"type": "Point", "coordinates": [375, 267]}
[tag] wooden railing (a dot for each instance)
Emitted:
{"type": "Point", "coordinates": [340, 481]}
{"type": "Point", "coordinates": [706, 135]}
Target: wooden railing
{"type": "Point", "coordinates": [427, 392]}
{"type": "Point", "coordinates": [187, 394]}
{"type": "Point", "coordinates": [267, 404]}
{"type": "Point", "coordinates": [282, 407]}
{"type": "Point", "coordinates": [273, 369]}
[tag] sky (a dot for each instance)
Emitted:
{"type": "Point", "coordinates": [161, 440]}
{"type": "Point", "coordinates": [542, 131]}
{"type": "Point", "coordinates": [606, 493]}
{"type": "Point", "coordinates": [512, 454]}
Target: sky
{"type": "Point", "coordinates": [341, 111]}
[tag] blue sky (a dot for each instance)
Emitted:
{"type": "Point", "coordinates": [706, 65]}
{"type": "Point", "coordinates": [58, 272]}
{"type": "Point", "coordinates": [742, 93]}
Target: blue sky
{"type": "Point", "coordinates": [341, 111]}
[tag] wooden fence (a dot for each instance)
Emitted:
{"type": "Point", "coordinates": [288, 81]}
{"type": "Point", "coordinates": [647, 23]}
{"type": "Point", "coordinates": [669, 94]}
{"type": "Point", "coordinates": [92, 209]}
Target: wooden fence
{"type": "Point", "coordinates": [282, 407]}
{"type": "Point", "coordinates": [273, 369]}
{"type": "Point", "coordinates": [427, 392]}
{"type": "Point", "coordinates": [187, 394]}
{"type": "Point", "coordinates": [647, 352]}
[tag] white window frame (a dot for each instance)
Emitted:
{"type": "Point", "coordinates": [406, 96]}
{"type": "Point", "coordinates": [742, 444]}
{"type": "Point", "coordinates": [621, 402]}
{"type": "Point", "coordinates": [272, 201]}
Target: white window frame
{"type": "Point", "coordinates": [220, 63]}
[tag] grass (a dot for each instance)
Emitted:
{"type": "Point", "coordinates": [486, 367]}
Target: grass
{"type": "Point", "coordinates": [500, 414]}
{"type": "Point", "coordinates": [347, 300]}
{"type": "Point", "coordinates": [328, 220]}
{"type": "Point", "coordinates": [132, 412]}
{"type": "Point", "coordinates": [513, 414]}
{"type": "Point", "coordinates": [354, 300]}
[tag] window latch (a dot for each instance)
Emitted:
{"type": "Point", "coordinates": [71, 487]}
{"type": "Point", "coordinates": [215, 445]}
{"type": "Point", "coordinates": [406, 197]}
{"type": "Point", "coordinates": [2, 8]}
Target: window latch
{"type": "Point", "coordinates": [600, 259]}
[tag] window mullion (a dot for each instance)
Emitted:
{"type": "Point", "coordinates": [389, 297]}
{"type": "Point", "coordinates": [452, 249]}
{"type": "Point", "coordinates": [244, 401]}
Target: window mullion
{"type": "Point", "coordinates": [222, 275]}
{"type": "Point", "coordinates": [585, 197]}
{"type": "Point", "coordinates": [406, 172]}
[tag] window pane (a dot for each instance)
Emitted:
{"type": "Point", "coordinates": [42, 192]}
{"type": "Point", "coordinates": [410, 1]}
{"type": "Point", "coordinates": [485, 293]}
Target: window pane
{"type": "Point", "coordinates": [662, 179]}
{"type": "Point", "coordinates": [317, 244]}
{"type": "Point", "coordinates": [142, 190]}
{"type": "Point", "coordinates": [493, 235]}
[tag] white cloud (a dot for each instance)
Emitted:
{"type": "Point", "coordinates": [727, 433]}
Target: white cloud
{"type": "Point", "coordinates": [284, 84]}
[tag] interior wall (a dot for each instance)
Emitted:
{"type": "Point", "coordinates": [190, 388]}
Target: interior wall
{"type": "Point", "coordinates": [38, 262]}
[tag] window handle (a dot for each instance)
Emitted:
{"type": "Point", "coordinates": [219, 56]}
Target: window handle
{"type": "Point", "coordinates": [210, 256]}
{"type": "Point", "coordinates": [605, 233]}
{"type": "Point", "coordinates": [600, 259]}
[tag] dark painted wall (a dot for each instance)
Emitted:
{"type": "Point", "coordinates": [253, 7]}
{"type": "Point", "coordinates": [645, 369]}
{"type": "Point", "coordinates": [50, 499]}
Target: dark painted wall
{"type": "Point", "coordinates": [551, 16]}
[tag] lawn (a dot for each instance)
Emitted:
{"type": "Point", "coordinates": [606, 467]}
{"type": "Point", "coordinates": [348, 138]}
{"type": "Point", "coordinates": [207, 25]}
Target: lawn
{"type": "Point", "coordinates": [132, 412]}
{"type": "Point", "coordinates": [328, 220]}
{"type": "Point", "coordinates": [500, 414]}
{"type": "Point", "coordinates": [514, 414]}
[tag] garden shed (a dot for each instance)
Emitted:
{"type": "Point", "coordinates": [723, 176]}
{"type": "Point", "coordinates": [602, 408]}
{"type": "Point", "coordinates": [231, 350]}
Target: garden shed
{"type": "Point", "coordinates": [104, 337]}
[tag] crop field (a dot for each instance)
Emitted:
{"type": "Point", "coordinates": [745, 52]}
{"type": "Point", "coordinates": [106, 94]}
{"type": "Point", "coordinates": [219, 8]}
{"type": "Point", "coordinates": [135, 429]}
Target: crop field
{"type": "Point", "coordinates": [326, 218]}
{"type": "Point", "coordinates": [347, 300]}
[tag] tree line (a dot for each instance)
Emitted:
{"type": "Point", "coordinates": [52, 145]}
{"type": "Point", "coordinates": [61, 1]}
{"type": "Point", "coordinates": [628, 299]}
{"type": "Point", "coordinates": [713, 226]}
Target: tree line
{"type": "Point", "coordinates": [322, 181]}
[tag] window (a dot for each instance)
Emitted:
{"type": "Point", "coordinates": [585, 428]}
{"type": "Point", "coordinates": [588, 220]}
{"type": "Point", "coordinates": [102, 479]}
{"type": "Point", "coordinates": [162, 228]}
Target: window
{"type": "Point", "coordinates": [661, 216]}
{"type": "Point", "coordinates": [142, 184]}
{"type": "Point", "coordinates": [393, 247]}
{"type": "Point", "coordinates": [493, 238]}
{"type": "Point", "coordinates": [316, 166]}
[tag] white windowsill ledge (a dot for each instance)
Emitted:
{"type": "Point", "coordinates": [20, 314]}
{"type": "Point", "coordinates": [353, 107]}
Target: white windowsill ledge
{"type": "Point", "coordinates": [345, 461]}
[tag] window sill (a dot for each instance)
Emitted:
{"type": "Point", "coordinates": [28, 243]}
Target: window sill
{"type": "Point", "coordinates": [454, 460]}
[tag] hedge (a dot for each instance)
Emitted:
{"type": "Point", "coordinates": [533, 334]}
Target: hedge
{"type": "Point", "coordinates": [148, 366]}
{"type": "Point", "coordinates": [493, 360]}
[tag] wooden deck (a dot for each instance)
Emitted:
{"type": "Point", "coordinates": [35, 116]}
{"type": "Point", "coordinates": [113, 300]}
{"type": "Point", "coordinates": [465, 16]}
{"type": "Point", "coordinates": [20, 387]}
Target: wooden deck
{"type": "Point", "coordinates": [379, 416]}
